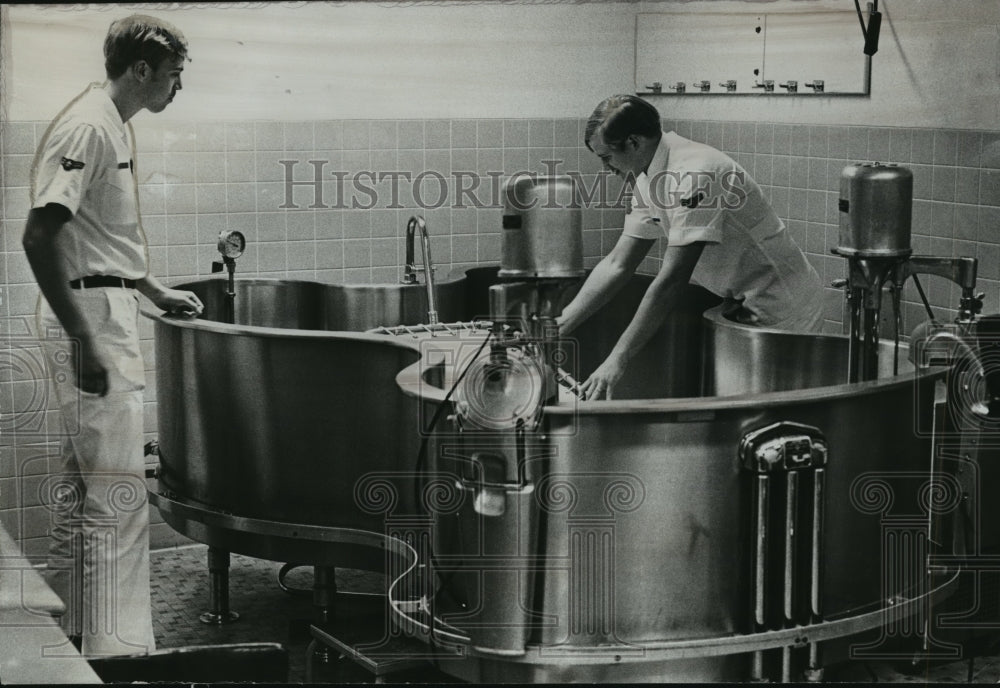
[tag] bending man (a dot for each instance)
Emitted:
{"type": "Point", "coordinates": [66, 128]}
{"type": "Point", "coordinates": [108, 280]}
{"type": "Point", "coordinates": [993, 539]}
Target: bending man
{"type": "Point", "coordinates": [721, 234]}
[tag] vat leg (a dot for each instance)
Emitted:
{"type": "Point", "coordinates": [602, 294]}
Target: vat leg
{"type": "Point", "coordinates": [324, 605]}
{"type": "Point", "coordinates": [218, 571]}
{"type": "Point", "coordinates": [310, 652]}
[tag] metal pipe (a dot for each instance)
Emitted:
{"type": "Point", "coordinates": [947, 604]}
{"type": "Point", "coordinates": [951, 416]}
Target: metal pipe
{"type": "Point", "coordinates": [218, 594]}
{"type": "Point", "coordinates": [792, 537]}
{"type": "Point", "coordinates": [791, 543]}
{"type": "Point", "coordinates": [230, 315]}
{"type": "Point", "coordinates": [854, 300]}
{"type": "Point", "coordinates": [814, 672]}
{"type": "Point", "coordinates": [416, 224]}
{"type": "Point", "coordinates": [897, 323]}
{"type": "Point", "coordinates": [961, 271]}
{"type": "Point", "coordinates": [324, 593]}
{"type": "Point", "coordinates": [760, 569]}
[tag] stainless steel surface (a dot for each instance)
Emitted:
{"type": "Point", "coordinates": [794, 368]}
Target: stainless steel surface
{"type": "Point", "coordinates": [867, 276]}
{"type": "Point", "coordinates": [609, 544]}
{"type": "Point", "coordinates": [415, 226]}
{"type": "Point", "coordinates": [961, 271]}
{"type": "Point", "coordinates": [630, 531]}
{"type": "Point", "coordinates": [542, 223]}
{"type": "Point", "coordinates": [279, 415]}
{"type": "Point", "coordinates": [675, 661]}
{"type": "Point", "coordinates": [318, 307]}
{"type": "Point", "coordinates": [875, 210]}
{"type": "Point", "coordinates": [775, 369]}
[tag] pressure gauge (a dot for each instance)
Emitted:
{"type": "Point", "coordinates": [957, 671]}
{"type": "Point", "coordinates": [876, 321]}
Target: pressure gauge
{"type": "Point", "coordinates": [231, 244]}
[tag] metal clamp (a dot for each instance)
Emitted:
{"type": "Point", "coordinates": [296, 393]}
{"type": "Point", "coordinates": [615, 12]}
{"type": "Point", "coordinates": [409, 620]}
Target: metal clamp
{"type": "Point", "coordinates": [782, 447]}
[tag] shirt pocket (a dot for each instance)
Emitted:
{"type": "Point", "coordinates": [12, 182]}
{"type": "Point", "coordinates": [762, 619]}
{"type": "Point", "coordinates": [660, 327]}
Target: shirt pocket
{"type": "Point", "coordinates": [117, 197]}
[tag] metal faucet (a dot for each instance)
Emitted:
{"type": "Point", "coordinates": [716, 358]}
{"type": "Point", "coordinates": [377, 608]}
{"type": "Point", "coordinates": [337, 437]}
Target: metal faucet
{"type": "Point", "coordinates": [410, 271]}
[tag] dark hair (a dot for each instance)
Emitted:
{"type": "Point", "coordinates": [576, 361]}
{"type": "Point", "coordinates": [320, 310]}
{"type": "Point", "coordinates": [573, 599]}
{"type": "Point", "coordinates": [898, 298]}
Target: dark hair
{"type": "Point", "coordinates": [621, 116]}
{"type": "Point", "coordinates": [140, 37]}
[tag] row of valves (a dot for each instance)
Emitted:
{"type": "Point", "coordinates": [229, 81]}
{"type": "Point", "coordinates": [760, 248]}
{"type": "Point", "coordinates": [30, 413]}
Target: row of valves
{"type": "Point", "coordinates": [705, 86]}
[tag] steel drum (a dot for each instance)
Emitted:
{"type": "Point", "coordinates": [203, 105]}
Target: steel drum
{"type": "Point", "coordinates": [621, 545]}
{"type": "Point", "coordinates": [273, 419]}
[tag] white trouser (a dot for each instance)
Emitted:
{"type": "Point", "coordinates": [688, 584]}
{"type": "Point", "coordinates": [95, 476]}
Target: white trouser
{"type": "Point", "coordinates": [99, 555]}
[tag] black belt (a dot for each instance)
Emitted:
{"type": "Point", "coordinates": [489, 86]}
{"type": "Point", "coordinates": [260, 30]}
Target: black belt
{"type": "Point", "coordinates": [101, 281]}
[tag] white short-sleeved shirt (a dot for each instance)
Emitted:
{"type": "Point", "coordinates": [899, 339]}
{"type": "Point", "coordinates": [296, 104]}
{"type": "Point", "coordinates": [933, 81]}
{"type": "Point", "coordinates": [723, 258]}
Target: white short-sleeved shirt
{"type": "Point", "coordinates": [692, 192]}
{"type": "Point", "coordinates": [85, 164]}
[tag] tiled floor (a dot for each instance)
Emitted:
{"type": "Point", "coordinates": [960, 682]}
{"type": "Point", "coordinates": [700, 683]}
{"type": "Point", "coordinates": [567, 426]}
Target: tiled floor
{"type": "Point", "coordinates": [269, 614]}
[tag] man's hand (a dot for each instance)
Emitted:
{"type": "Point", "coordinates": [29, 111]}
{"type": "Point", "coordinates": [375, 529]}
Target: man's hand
{"type": "Point", "coordinates": [177, 301]}
{"type": "Point", "coordinates": [603, 380]}
{"type": "Point", "coordinates": [90, 368]}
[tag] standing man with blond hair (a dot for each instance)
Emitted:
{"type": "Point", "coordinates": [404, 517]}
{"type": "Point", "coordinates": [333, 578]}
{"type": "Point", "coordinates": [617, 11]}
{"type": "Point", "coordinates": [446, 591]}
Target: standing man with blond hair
{"type": "Point", "coordinates": [85, 245]}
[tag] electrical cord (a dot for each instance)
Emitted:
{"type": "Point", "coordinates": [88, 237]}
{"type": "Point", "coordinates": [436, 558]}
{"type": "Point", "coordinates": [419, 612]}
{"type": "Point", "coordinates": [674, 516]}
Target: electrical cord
{"type": "Point", "coordinates": [422, 463]}
{"type": "Point", "coordinates": [422, 454]}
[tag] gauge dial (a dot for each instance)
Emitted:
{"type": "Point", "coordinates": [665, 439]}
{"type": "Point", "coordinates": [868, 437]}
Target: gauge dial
{"type": "Point", "coordinates": [231, 244]}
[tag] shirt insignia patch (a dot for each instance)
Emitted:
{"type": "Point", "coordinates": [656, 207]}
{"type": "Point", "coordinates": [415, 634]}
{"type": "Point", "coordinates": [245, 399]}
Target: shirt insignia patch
{"type": "Point", "coordinates": [70, 164]}
{"type": "Point", "coordinates": [693, 201]}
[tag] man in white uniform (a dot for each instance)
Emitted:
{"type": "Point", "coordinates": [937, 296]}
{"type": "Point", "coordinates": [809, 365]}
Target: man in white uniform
{"type": "Point", "coordinates": [86, 248]}
{"type": "Point", "coordinates": [721, 234]}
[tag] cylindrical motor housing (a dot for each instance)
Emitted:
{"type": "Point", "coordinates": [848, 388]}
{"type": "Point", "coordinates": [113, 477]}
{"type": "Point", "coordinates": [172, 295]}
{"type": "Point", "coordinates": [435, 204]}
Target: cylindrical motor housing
{"type": "Point", "coordinates": [876, 201]}
{"type": "Point", "coordinates": [542, 228]}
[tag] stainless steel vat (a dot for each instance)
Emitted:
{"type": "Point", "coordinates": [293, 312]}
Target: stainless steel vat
{"type": "Point", "coordinates": [275, 417]}
{"type": "Point", "coordinates": [623, 548]}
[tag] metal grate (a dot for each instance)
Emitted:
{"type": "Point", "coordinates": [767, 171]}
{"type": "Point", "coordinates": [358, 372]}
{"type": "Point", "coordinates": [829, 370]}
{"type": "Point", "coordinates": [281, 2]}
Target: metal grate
{"type": "Point", "coordinates": [446, 329]}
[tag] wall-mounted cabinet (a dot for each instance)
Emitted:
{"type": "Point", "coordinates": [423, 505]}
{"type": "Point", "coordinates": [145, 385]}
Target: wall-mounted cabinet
{"type": "Point", "coordinates": [791, 53]}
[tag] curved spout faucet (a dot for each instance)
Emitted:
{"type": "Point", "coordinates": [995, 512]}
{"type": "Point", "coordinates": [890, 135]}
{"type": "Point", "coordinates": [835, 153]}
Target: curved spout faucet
{"type": "Point", "coordinates": [415, 224]}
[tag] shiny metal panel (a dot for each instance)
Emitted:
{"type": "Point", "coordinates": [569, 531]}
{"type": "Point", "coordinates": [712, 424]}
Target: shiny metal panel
{"type": "Point", "coordinates": [746, 360]}
{"type": "Point", "coordinates": [632, 523]}
{"type": "Point", "coordinates": [646, 518]}
{"type": "Point", "coordinates": [698, 505]}
{"type": "Point", "coordinates": [279, 414]}
{"type": "Point", "coordinates": [301, 305]}
{"type": "Point", "coordinates": [272, 426]}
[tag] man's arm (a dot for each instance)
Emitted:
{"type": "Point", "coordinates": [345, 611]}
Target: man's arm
{"type": "Point", "coordinates": [610, 275]}
{"type": "Point", "coordinates": [675, 273]}
{"type": "Point", "coordinates": [41, 249]}
{"type": "Point", "coordinates": [170, 300]}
